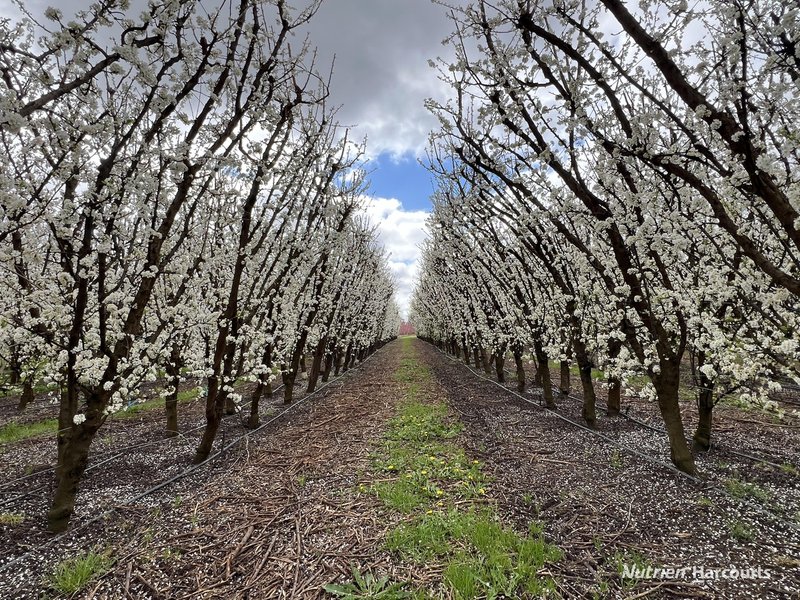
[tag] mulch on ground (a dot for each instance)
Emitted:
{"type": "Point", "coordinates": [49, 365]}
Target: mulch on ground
{"type": "Point", "coordinates": [603, 506]}
{"type": "Point", "coordinates": [286, 519]}
{"type": "Point", "coordinates": [168, 543]}
{"type": "Point", "coordinates": [281, 515]}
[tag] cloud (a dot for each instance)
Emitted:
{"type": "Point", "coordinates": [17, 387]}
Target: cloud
{"type": "Point", "coordinates": [381, 75]}
{"type": "Point", "coordinates": [401, 232]}
{"type": "Point", "coordinates": [380, 51]}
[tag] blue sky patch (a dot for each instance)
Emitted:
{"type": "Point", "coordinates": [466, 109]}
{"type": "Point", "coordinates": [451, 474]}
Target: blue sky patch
{"type": "Point", "coordinates": [402, 178]}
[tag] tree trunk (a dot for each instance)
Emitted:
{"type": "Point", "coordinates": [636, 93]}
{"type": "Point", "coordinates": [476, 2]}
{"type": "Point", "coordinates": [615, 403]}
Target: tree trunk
{"type": "Point", "coordinates": [253, 420]}
{"type": "Point", "coordinates": [27, 394]}
{"type": "Point", "coordinates": [15, 371]}
{"type": "Point", "coordinates": [72, 464]}
{"type": "Point", "coordinates": [585, 369]}
{"type": "Point", "coordinates": [230, 405]}
{"type": "Point", "coordinates": [614, 395]}
{"type": "Point", "coordinates": [316, 365]}
{"type": "Point", "coordinates": [74, 459]}
{"type": "Point", "coordinates": [288, 386]}
{"type": "Point", "coordinates": [520, 370]}
{"type": "Point", "coordinates": [565, 377]}
{"type": "Point", "coordinates": [543, 370]}
{"type": "Point", "coordinates": [66, 412]}
{"type": "Point", "coordinates": [326, 372]}
{"type": "Point", "coordinates": [171, 408]}
{"type": "Point", "coordinates": [666, 383]}
{"type": "Point", "coordinates": [337, 362]}
{"type": "Point", "coordinates": [486, 362]}
{"type": "Point", "coordinates": [171, 401]}
{"type": "Point", "coordinates": [499, 364]}
{"type": "Point", "coordinates": [476, 356]}
{"type": "Point", "coordinates": [214, 406]}
{"type": "Point", "coordinates": [701, 441]}
{"type": "Point", "coordinates": [614, 384]}
{"type": "Point", "coordinates": [348, 353]}
{"type": "Point", "coordinates": [465, 349]}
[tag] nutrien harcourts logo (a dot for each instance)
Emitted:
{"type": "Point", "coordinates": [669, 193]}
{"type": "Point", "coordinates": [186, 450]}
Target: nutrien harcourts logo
{"type": "Point", "coordinates": [695, 572]}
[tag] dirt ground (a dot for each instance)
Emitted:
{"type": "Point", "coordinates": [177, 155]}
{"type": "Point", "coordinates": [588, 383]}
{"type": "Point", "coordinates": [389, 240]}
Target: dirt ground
{"type": "Point", "coordinates": [281, 514]}
{"type": "Point", "coordinates": [276, 517]}
{"type": "Point", "coordinates": [604, 506]}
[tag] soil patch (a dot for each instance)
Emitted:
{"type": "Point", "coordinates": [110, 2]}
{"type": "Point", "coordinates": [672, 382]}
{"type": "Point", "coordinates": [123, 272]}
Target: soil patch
{"type": "Point", "coordinates": [606, 508]}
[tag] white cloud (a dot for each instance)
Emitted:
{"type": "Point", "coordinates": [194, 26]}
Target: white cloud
{"type": "Point", "coordinates": [401, 232]}
{"type": "Point", "coordinates": [381, 75]}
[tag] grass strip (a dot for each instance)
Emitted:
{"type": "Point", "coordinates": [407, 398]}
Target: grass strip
{"type": "Point", "coordinates": [425, 474]}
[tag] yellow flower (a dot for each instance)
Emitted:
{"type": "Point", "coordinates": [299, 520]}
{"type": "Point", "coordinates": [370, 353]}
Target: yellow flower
{"type": "Point", "coordinates": [481, 491]}
{"type": "Point", "coordinates": [390, 467]}
{"type": "Point", "coordinates": [439, 493]}
{"type": "Point", "coordinates": [424, 472]}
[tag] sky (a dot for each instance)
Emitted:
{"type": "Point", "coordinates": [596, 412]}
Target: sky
{"type": "Point", "coordinates": [380, 51]}
{"type": "Point", "coordinates": [380, 81]}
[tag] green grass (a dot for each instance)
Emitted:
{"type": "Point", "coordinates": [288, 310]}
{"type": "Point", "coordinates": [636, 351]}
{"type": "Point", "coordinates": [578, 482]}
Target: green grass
{"type": "Point", "coordinates": [73, 574]}
{"type": "Point", "coordinates": [481, 556]}
{"type": "Point", "coordinates": [790, 469]}
{"type": "Point", "coordinates": [11, 518]}
{"type": "Point", "coordinates": [629, 558]}
{"type": "Point", "coordinates": [421, 423]}
{"type": "Point", "coordinates": [368, 586]}
{"type": "Point", "coordinates": [742, 489]}
{"type": "Point", "coordinates": [171, 554]}
{"type": "Point", "coordinates": [705, 502]}
{"type": "Point", "coordinates": [425, 474]}
{"type": "Point", "coordinates": [15, 432]}
{"type": "Point", "coordinates": [134, 409]}
{"type": "Point", "coordinates": [421, 463]}
{"type": "Point", "coordinates": [741, 531]}
{"type": "Point", "coordinates": [574, 371]}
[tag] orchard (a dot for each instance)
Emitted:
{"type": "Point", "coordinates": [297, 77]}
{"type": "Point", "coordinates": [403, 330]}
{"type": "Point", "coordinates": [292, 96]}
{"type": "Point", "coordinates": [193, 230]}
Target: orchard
{"type": "Point", "coordinates": [203, 390]}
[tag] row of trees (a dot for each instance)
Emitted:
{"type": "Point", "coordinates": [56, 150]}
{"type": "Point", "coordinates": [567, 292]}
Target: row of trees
{"type": "Point", "coordinates": [618, 187]}
{"type": "Point", "coordinates": [177, 200]}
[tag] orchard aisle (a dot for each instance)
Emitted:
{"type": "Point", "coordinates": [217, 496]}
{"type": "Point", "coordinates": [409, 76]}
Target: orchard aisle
{"type": "Point", "coordinates": [415, 470]}
{"type": "Point", "coordinates": [278, 515]}
{"type": "Point", "coordinates": [370, 481]}
{"type": "Point", "coordinates": [286, 519]}
{"type": "Point", "coordinates": [606, 509]}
